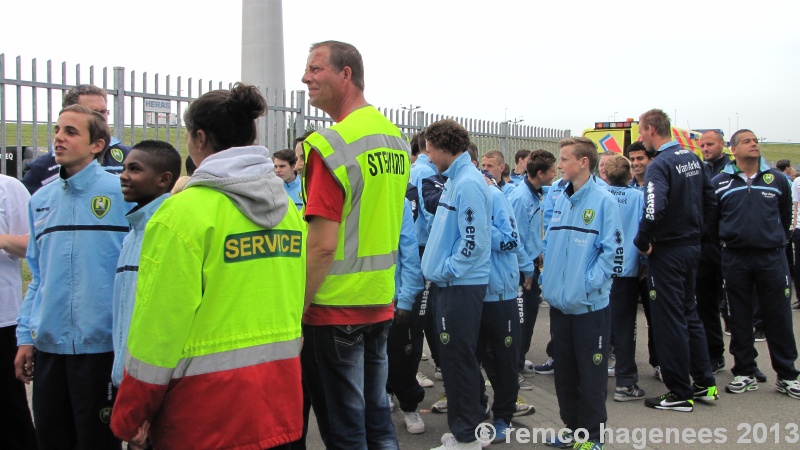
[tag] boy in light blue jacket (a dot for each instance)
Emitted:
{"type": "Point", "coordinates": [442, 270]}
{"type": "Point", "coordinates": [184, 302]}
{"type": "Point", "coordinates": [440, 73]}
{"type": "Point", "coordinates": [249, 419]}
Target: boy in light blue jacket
{"type": "Point", "coordinates": [624, 295]}
{"type": "Point", "coordinates": [148, 175]}
{"type": "Point", "coordinates": [64, 332]}
{"type": "Point", "coordinates": [583, 248]}
{"type": "Point", "coordinates": [404, 343]}
{"type": "Point", "coordinates": [499, 338]}
{"type": "Point", "coordinates": [456, 259]}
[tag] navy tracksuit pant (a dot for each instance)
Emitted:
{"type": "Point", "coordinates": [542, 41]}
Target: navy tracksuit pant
{"type": "Point", "coordinates": [580, 351]}
{"type": "Point", "coordinates": [768, 272]}
{"type": "Point", "coordinates": [458, 321]}
{"type": "Point", "coordinates": [624, 302]}
{"type": "Point", "coordinates": [498, 347]}
{"type": "Point", "coordinates": [680, 338]}
{"type": "Point", "coordinates": [644, 297]}
{"type": "Point", "coordinates": [404, 350]}
{"type": "Point", "coordinates": [528, 302]}
{"type": "Point", "coordinates": [72, 401]}
{"type": "Point", "coordinates": [708, 290]}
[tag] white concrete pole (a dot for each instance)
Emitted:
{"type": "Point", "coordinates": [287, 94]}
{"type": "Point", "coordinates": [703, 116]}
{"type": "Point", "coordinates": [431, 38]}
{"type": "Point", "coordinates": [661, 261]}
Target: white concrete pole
{"type": "Point", "coordinates": [263, 64]}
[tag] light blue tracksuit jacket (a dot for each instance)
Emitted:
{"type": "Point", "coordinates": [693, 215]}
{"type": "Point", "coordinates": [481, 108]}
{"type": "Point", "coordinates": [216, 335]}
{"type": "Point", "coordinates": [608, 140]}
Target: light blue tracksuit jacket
{"type": "Point", "coordinates": [459, 245]}
{"type": "Point", "coordinates": [77, 228]}
{"type": "Point", "coordinates": [504, 276]}
{"type": "Point", "coordinates": [421, 169]}
{"type": "Point", "coordinates": [125, 282]}
{"type": "Point", "coordinates": [631, 206]}
{"type": "Point", "coordinates": [408, 273]}
{"type": "Point", "coordinates": [583, 249]}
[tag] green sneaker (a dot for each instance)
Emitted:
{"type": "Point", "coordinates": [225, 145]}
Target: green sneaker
{"type": "Point", "coordinates": [588, 445]}
{"type": "Point", "coordinates": [705, 393]}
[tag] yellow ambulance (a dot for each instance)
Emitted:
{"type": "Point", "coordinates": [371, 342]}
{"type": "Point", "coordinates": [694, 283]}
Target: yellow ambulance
{"type": "Point", "coordinates": [615, 137]}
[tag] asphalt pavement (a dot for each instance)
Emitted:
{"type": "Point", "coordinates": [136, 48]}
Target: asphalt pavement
{"type": "Point", "coordinates": [761, 419]}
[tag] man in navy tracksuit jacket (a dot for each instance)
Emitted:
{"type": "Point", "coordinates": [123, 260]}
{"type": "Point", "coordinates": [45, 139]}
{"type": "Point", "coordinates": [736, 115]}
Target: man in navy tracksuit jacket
{"type": "Point", "coordinates": [753, 225]}
{"type": "Point", "coordinates": [456, 259]}
{"type": "Point", "coordinates": [708, 287]}
{"type": "Point", "coordinates": [679, 201]}
{"type": "Point", "coordinates": [583, 248]}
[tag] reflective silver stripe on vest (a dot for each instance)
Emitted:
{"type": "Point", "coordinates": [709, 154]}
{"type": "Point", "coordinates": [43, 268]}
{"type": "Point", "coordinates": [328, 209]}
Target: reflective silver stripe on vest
{"type": "Point", "coordinates": [215, 362]}
{"type": "Point", "coordinates": [342, 154]}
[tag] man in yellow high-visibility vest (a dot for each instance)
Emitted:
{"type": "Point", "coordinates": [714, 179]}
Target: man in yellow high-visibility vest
{"type": "Point", "coordinates": [356, 174]}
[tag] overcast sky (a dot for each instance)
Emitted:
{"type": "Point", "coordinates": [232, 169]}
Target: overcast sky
{"type": "Point", "coordinates": [556, 64]}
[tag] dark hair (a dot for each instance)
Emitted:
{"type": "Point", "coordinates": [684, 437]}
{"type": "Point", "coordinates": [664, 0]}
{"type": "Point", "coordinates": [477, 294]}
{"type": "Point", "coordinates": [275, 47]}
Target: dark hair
{"type": "Point", "coordinates": [448, 135]}
{"type": "Point", "coordinates": [414, 142]}
{"type": "Point", "coordinates": [72, 96]}
{"type": "Point", "coordinates": [190, 166]}
{"type": "Point", "coordinates": [735, 137]}
{"type": "Point", "coordinates": [228, 118]}
{"type": "Point", "coordinates": [302, 138]}
{"type": "Point", "coordinates": [540, 160]}
{"type": "Point", "coordinates": [658, 120]}
{"type": "Point", "coordinates": [639, 146]}
{"type": "Point", "coordinates": [618, 170]}
{"type": "Point", "coordinates": [286, 155]}
{"type": "Point", "coordinates": [783, 164]}
{"type": "Point", "coordinates": [521, 154]}
{"type": "Point", "coordinates": [98, 127]}
{"type": "Point", "coordinates": [162, 157]}
{"type": "Point", "coordinates": [472, 149]}
{"type": "Point", "coordinates": [344, 55]}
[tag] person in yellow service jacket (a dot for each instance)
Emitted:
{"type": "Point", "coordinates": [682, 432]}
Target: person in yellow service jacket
{"type": "Point", "coordinates": [213, 351]}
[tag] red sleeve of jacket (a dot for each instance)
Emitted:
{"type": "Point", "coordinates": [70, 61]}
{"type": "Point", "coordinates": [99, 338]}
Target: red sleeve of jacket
{"type": "Point", "coordinates": [136, 403]}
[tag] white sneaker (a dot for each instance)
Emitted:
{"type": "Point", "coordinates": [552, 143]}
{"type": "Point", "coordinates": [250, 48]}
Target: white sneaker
{"type": "Point", "coordinates": [524, 385]}
{"type": "Point", "coordinates": [423, 380]}
{"type": "Point", "coordinates": [527, 369]}
{"type": "Point", "coordinates": [523, 408]}
{"type": "Point", "coordinates": [449, 442]}
{"type": "Point", "coordinates": [414, 423]}
{"type": "Point", "coordinates": [441, 405]}
{"type": "Point", "coordinates": [612, 367]}
{"type": "Point", "coordinates": [391, 403]}
{"type": "Point", "coordinates": [437, 373]}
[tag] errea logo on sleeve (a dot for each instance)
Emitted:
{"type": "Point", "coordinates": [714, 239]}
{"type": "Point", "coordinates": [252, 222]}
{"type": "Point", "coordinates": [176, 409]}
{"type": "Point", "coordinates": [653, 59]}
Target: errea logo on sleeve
{"type": "Point", "coordinates": [263, 244]}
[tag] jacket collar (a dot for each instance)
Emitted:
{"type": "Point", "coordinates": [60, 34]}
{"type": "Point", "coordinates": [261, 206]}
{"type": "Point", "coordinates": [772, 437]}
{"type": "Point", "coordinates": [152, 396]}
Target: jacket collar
{"type": "Point", "coordinates": [577, 197]}
{"type": "Point", "coordinates": [538, 193]}
{"type": "Point", "coordinates": [138, 217]}
{"type": "Point", "coordinates": [668, 145]}
{"type": "Point", "coordinates": [422, 158]}
{"type": "Point", "coordinates": [82, 180]}
{"type": "Point", "coordinates": [459, 165]}
{"type": "Point", "coordinates": [732, 169]}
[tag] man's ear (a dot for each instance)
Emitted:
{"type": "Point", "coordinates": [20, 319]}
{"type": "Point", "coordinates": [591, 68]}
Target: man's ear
{"type": "Point", "coordinates": [98, 146]}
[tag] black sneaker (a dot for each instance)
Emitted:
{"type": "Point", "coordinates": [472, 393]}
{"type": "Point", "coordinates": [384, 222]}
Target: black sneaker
{"type": "Point", "coordinates": [759, 375]}
{"type": "Point", "coordinates": [670, 401]}
{"type": "Point", "coordinates": [628, 393]}
{"type": "Point", "coordinates": [718, 365]}
{"type": "Point", "coordinates": [759, 336]}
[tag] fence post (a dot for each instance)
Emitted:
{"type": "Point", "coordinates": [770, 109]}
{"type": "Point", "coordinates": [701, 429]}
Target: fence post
{"type": "Point", "coordinates": [300, 118]}
{"type": "Point", "coordinates": [119, 103]}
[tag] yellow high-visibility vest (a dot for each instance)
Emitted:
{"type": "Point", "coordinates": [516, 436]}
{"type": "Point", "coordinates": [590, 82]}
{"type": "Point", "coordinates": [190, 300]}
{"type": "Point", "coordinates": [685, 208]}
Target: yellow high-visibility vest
{"type": "Point", "coordinates": [368, 156]}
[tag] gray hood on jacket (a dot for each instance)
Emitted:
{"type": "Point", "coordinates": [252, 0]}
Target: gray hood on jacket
{"type": "Point", "coordinates": [247, 176]}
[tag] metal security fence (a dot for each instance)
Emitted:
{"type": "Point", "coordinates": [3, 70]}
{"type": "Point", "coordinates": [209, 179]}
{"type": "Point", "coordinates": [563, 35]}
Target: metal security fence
{"type": "Point", "coordinates": [145, 106]}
